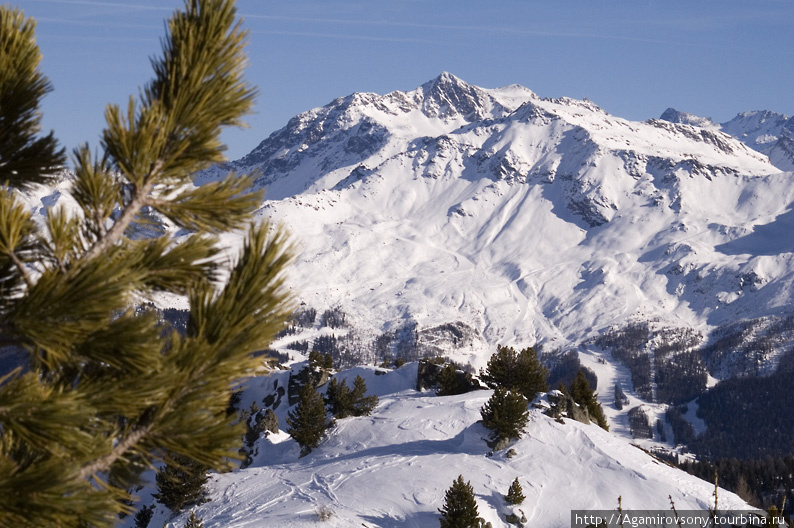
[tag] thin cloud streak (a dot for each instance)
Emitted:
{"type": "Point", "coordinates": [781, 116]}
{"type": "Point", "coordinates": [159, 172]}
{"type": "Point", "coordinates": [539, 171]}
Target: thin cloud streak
{"type": "Point", "coordinates": [490, 29]}
{"type": "Point", "coordinates": [86, 23]}
{"type": "Point", "coordinates": [386, 23]}
{"type": "Point", "coordinates": [346, 36]}
{"type": "Point", "coordinates": [139, 7]}
{"type": "Point", "coordinates": [87, 38]}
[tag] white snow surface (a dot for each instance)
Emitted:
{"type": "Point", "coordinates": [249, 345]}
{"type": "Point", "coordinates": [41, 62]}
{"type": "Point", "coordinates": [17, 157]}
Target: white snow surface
{"type": "Point", "coordinates": [391, 469]}
{"type": "Point", "coordinates": [531, 220]}
{"type": "Point", "coordinates": [767, 132]}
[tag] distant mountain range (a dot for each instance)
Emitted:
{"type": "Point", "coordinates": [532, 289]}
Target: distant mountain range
{"type": "Point", "coordinates": [529, 219]}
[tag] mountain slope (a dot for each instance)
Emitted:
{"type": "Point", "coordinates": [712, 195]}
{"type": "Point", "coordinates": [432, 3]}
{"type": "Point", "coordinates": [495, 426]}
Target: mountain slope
{"type": "Point", "coordinates": [767, 132]}
{"type": "Point", "coordinates": [527, 219]}
{"type": "Point", "coordinates": [391, 469]}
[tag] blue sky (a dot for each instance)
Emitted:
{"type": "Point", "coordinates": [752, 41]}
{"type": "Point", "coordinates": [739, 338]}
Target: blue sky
{"type": "Point", "coordinates": [632, 57]}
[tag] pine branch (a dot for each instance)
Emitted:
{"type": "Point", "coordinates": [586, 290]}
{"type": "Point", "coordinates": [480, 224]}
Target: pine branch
{"type": "Point", "coordinates": [109, 389]}
{"type": "Point", "coordinates": [25, 159]}
{"type": "Point", "coordinates": [119, 450]}
{"type": "Point", "coordinates": [138, 201]}
{"type": "Point", "coordinates": [21, 268]}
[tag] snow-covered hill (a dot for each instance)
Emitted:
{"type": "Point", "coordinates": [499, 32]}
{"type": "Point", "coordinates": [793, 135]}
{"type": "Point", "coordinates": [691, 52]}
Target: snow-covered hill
{"type": "Point", "coordinates": [527, 219]}
{"type": "Point", "coordinates": [391, 469]}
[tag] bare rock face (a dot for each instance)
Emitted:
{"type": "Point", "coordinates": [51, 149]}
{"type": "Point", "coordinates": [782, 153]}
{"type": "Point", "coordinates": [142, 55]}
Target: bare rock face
{"type": "Point", "coordinates": [563, 405]}
{"type": "Point", "coordinates": [428, 377]}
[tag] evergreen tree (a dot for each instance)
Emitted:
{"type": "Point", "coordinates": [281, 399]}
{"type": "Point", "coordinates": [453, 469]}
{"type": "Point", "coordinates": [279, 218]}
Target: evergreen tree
{"type": "Point", "coordinates": [338, 398]}
{"type": "Point", "coordinates": [108, 389]}
{"type": "Point", "coordinates": [363, 405]}
{"type": "Point", "coordinates": [448, 382]}
{"type": "Point", "coordinates": [343, 402]}
{"type": "Point", "coordinates": [515, 495]}
{"type": "Point", "coordinates": [328, 362]}
{"type": "Point", "coordinates": [307, 421]}
{"type": "Point", "coordinates": [143, 516]}
{"type": "Point", "coordinates": [194, 521]}
{"type": "Point", "coordinates": [256, 425]}
{"type": "Point", "coordinates": [460, 507]}
{"type": "Point", "coordinates": [516, 371]}
{"type": "Point", "coordinates": [585, 397]}
{"type": "Point", "coordinates": [505, 414]}
{"type": "Point", "coordinates": [181, 483]}
{"type": "Point", "coordinates": [319, 361]}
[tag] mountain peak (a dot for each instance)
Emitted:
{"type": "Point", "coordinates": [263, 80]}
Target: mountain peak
{"type": "Point", "coordinates": [448, 78]}
{"type": "Point", "coordinates": [676, 116]}
{"type": "Point", "coordinates": [447, 96]}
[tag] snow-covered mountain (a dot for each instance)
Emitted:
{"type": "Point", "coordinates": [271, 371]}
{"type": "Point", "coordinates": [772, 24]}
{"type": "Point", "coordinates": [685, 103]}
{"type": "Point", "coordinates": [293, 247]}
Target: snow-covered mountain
{"type": "Point", "coordinates": [767, 132]}
{"type": "Point", "coordinates": [685, 118]}
{"type": "Point", "coordinates": [526, 219]}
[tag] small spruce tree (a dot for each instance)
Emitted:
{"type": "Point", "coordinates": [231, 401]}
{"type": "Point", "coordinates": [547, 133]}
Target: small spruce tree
{"type": "Point", "coordinates": [194, 521]}
{"type": "Point", "coordinates": [307, 423]}
{"type": "Point", "coordinates": [143, 516]}
{"type": "Point", "coordinates": [181, 483]}
{"type": "Point", "coordinates": [586, 397]}
{"type": "Point", "coordinates": [448, 382]}
{"type": "Point", "coordinates": [338, 398]}
{"type": "Point", "coordinates": [344, 402]}
{"type": "Point", "coordinates": [517, 371]}
{"type": "Point", "coordinates": [460, 507]}
{"type": "Point", "coordinates": [363, 405]}
{"type": "Point", "coordinates": [319, 361]}
{"type": "Point", "coordinates": [515, 495]}
{"type": "Point", "coordinates": [253, 420]}
{"type": "Point", "coordinates": [328, 361]}
{"type": "Point", "coordinates": [505, 414]}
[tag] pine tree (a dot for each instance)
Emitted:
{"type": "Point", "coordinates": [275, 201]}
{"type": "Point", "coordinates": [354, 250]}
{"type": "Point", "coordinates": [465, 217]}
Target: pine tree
{"type": "Point", "coordinates": [448, 382]}
{"type": "Point", "coordinates": [343, 402]}
{"type": "Point", "coordinates": [307, 421]}
{"type": "Point", "coordinates": [255, 422]}
{"type": "Point", "coordinates": [460, 507]}
{"type": "Point", "coordinates": [517, 371]}
{"type": "Point", "coordinates": [107, 389]}
{"type": "Point", "coordinates": [194, 521]}
{"type": "Point", "coordinates": [143, 516]}
{"type": "Point", "coordinates": [505, 414]}
{"type": "Point", "coordinates": [181, 483]}
{"type": "Point", "coordinates": [363, 405]}
{"type": "Point", "coordinates": [515, 495]}
{"type": "Point", "coordinates": [585, 396]}
{"type": "Point", "coordinates": [338, 398]}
